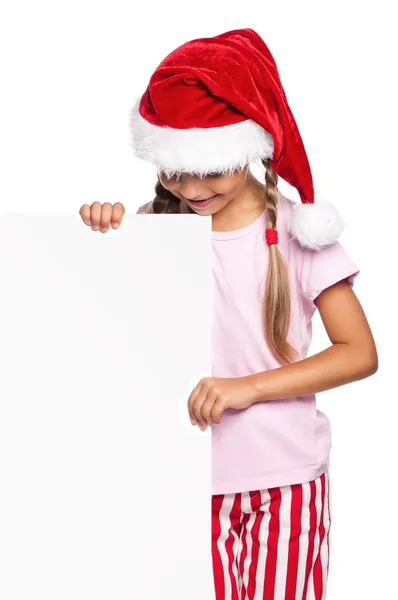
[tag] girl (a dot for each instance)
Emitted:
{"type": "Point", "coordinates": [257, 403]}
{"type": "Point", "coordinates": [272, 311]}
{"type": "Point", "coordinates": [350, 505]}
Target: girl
{"type": "Point", "coordinates": [212, 107]}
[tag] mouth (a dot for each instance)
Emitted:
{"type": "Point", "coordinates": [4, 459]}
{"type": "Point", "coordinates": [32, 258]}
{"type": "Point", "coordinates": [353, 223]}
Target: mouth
{"type": "Point", "coordinates": [202, 203]}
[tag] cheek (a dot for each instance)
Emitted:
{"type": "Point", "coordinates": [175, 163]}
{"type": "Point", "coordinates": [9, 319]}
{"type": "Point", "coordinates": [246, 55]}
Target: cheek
{"type": "Point", "coordinates": [224, 189]}
{"type": "Point", "coordinates": [172, 186]}
{"type": "Point", "coordinates": [228, 186]}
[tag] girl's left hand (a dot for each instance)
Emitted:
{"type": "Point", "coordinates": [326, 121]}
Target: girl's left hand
{"type": "Point", "coordinates": [213, 395]}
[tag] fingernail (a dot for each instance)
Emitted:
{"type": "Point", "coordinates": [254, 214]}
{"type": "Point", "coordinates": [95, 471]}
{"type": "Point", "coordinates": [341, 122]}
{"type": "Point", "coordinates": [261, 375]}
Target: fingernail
{"type": "Point", "coordinates": [116, 225]}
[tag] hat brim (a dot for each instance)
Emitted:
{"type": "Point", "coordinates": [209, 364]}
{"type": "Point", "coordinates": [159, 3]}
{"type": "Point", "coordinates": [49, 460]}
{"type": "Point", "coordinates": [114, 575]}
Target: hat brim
{"type": "Point", "coordinates": [200, 151]}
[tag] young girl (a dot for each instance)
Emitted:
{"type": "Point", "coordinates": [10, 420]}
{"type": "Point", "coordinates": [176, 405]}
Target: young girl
{"type": "Point", "coordinates": [212, 107]}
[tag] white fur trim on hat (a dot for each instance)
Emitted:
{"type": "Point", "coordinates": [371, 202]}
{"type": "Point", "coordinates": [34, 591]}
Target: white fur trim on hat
{"type": "Point", "coordinates": [199, 150]}
{"type": "Point", "coordinates": [317, 224]}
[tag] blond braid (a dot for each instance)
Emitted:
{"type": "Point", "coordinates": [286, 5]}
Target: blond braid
{"type": "Point", "coordinates": [276, 308]}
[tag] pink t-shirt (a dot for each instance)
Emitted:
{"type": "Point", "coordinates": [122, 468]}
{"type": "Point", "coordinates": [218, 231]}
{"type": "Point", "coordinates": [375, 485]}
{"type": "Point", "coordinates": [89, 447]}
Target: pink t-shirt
{"type": "Point", "coordinates": [274, 442]}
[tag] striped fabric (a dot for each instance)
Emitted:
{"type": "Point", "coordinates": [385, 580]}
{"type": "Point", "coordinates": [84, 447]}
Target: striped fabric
{"type": "Point", "coordinates": [272, 544]}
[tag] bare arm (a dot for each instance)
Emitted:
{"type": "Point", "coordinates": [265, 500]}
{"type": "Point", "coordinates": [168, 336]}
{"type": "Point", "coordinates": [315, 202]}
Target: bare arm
{"type": "Point", "coordinates": [351, 357]}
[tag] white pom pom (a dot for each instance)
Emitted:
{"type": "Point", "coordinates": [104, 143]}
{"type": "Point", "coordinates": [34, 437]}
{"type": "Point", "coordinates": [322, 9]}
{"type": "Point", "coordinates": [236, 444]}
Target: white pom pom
{"type": "Point", "coordinates": [316, 225]}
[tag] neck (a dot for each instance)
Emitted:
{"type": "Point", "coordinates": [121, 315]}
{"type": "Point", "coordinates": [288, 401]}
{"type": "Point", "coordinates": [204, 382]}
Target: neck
{"type": "Point", "coordinates": [243, 209]}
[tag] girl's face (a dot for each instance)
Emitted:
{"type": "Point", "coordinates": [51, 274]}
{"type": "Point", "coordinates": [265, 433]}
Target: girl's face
{"type": "Point", "coordinates": [206, 195]}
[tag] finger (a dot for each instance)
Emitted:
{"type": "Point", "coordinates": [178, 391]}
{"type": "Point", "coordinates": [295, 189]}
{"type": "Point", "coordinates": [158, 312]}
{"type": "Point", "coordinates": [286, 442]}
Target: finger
{"type": "Point", "coordinates": [207, 405]}
{"type": "Point", "coordinates": [191, 399]}
{"type": "Point", "coordinates": [117, 214]}
{"type": "Point", "coordinates": [85, 214]}
{"type": "Point", "coordinates": [218, 408]}
{"type": "Point", "coordinates": [106, 215]}
{"type": "Point", "coordinates": [95, 211]}
{"type": "Point", "coordinates": [197, 408]}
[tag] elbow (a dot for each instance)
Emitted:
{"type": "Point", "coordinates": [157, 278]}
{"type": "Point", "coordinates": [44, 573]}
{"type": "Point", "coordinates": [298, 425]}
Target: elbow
{"type": "Point", "coordinates": [370, 369]}
{"type": "Point", "coordinates": [362, 362]}
{"type": "Point", "coordinates": [374, 367]}
{"type": "Point", "coordinates": [373, 359]}
{"type": "Point", "coordinates": [364, 358]}
{"type": "Point", "coordinates": [370, 365]}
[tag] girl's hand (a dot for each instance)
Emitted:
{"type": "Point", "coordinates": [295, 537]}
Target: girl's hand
{"type": "Point", "coordinates": [213, 395]}
{"type": "Point", "coordinates": [101, 216]}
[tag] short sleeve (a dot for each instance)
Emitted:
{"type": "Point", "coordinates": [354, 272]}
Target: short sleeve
{"type": "Point", "coordinates": [319, 269]}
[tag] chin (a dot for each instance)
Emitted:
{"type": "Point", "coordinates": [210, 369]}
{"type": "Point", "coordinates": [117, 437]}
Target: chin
{"type": "Point", "coordinates": [209, 210]}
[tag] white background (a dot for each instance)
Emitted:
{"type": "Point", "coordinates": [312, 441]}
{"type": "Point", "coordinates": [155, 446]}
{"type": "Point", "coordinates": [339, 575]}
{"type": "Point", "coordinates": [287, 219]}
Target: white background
{"type": "Point", "coordinates": [105, 487]}
{"type": "Point", "coordinates": [71, 72]}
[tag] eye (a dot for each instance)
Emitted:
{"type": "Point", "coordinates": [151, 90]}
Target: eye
{"type": "Point", "coordinates": [215, 174]}
{"type": "Point", "coordinates": [172, 177]}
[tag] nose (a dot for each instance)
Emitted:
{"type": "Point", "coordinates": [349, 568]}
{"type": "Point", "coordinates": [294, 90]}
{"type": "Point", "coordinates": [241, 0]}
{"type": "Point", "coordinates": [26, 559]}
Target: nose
{"type": "Point", "coordinates": [189, 188]}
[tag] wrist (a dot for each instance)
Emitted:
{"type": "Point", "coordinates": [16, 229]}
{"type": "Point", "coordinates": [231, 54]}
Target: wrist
{"type": "Point", "coordinates": [258, 387]}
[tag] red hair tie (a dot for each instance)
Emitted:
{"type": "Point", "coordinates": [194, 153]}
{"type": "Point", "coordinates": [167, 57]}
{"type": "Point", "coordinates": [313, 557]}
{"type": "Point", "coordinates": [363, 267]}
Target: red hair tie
{"type": "Point", "coordinates": [271, 235]}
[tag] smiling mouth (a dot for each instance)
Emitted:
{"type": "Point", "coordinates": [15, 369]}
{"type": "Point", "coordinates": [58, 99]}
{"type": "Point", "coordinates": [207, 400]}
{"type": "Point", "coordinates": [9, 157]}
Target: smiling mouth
{"type": "Point", "coordinates": [203, 199]}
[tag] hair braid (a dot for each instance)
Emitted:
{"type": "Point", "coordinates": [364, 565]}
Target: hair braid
{"type": "Point", "coordinates": [276, 307]}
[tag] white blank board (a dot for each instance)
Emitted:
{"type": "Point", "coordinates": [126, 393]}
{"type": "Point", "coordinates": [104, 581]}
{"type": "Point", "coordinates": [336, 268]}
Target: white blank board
{"type": "Point", "coordinates": [105, 488]}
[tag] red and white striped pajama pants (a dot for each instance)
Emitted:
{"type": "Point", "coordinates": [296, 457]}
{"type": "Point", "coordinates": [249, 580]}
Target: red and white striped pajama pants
{"type": "Point", "coordinates": [272, 544]}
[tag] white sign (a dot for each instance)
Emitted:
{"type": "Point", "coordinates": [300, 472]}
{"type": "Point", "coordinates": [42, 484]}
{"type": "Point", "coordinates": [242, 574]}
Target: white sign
{"type": "Point", "coordinates": [105, 489]}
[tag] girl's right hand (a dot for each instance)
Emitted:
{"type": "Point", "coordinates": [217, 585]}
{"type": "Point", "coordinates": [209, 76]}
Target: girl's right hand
{"type": "Point", "coordinates": [101, 216]}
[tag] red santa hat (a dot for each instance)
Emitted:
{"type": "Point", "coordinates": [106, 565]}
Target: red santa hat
{"type": "Point", "coordinates": [214, 105]}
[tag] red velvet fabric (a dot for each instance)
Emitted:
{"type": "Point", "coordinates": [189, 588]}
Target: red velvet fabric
{"type": "Point", "coordinates": [225, 79]}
